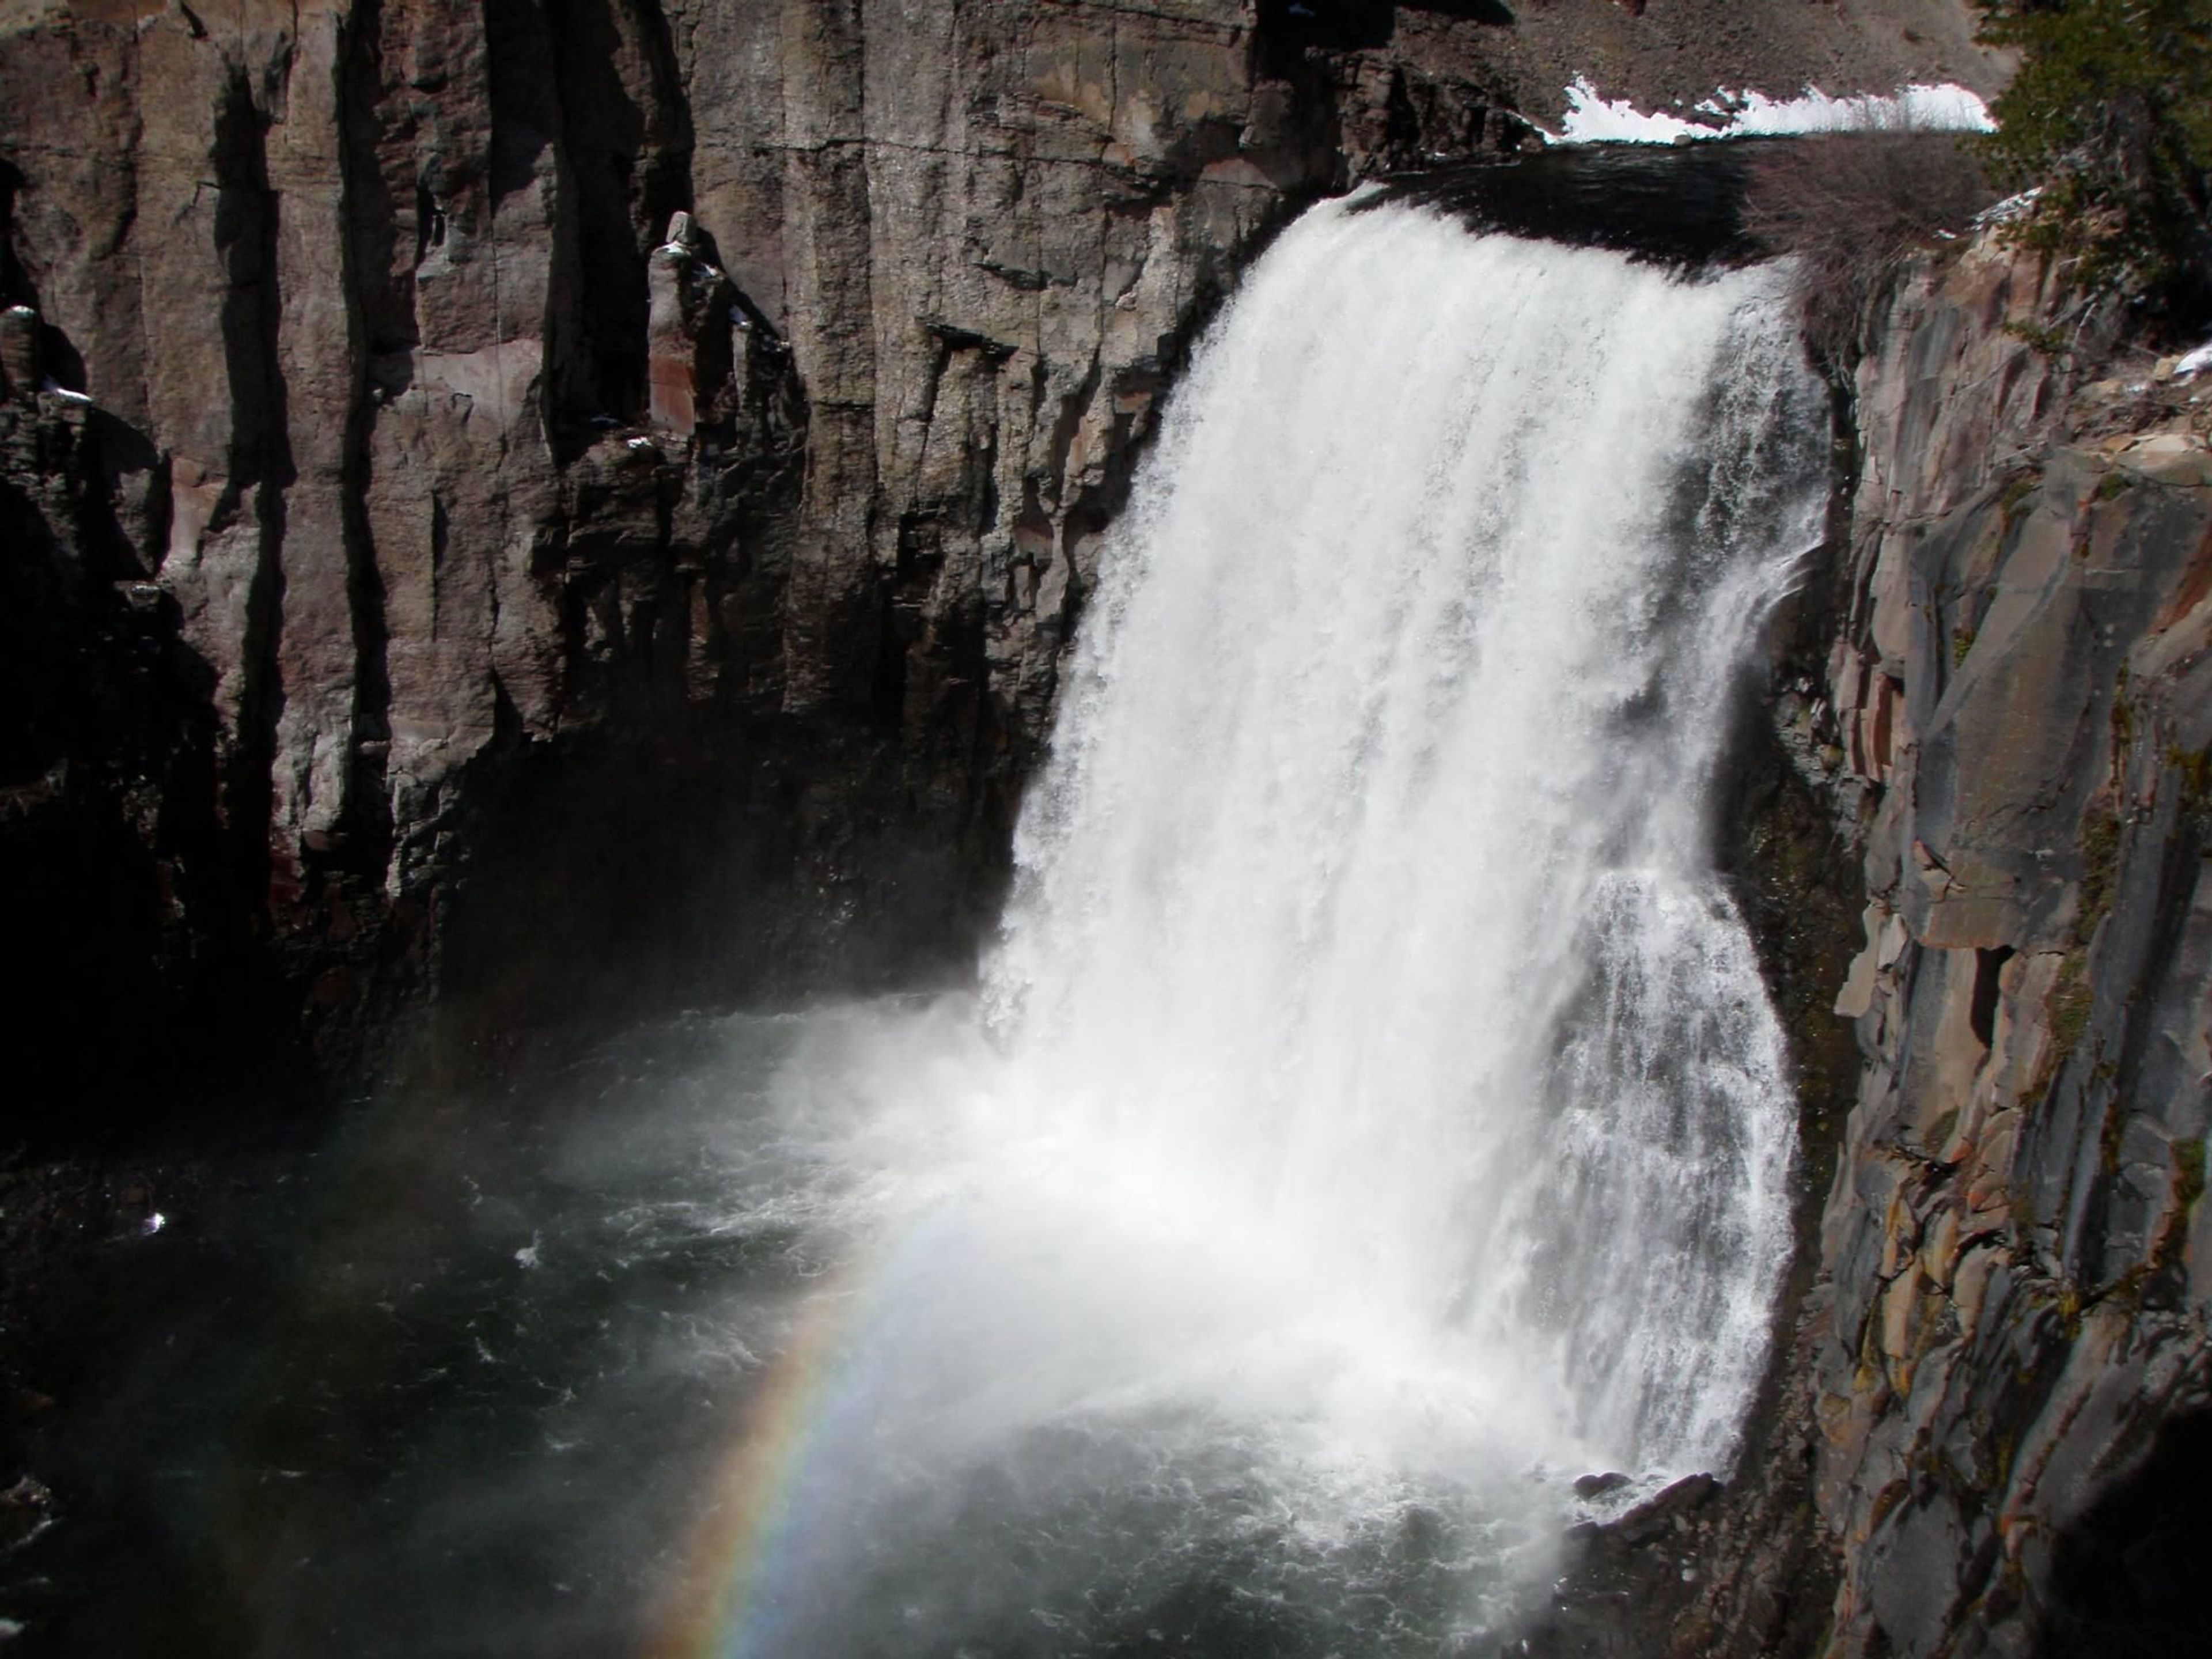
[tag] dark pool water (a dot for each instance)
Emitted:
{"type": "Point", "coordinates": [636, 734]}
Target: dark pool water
{"type": "Point", "coordinates": [588, 1368]}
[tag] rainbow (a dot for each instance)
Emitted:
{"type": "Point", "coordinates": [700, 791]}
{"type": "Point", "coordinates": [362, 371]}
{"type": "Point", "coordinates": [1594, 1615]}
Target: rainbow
{"type": "Point", "coordinates": [753, 1511]}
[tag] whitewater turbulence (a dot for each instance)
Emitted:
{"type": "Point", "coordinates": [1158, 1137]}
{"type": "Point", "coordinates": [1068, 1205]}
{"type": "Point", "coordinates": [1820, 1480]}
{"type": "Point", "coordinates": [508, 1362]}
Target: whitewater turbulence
{"type": "Point", "coordinates": [1368, 895]}
{"type": "Point", "coordinates": [1375, 1110]}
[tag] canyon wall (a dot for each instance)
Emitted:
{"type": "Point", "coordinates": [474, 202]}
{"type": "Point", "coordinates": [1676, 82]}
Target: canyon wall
{"type": "Point", "coordinates": [1990, 1425]}
{"type": "Point", "coordinates": [431, 562]}
{"type": "Point", "coordinates": [2010, 1387]}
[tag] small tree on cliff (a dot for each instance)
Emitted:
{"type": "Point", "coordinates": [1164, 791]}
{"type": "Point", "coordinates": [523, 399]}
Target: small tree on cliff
{"type": "Point", "coordinates": [2111, 114]}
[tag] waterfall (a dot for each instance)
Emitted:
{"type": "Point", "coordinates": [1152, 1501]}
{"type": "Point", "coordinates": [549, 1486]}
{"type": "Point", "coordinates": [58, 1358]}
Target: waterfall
{"type": "Point", "coordinates": [1368, 892]}
{"type": "Point", "coordinates": [1374, 1104]}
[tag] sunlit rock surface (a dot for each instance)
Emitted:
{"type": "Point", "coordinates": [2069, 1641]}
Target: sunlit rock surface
{"type": "Point", "coordinates": [2018, 1250]}
{"type": "Point", "coordinates": [1989, 1436]}
{"type": "Point", "coordinates": [388, 490]}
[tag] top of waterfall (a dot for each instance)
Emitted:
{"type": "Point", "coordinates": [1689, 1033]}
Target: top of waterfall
{"type": "Point", "coordinates": [1672, 205]}
{"type": "Point", "coordinates": [1664, 187]}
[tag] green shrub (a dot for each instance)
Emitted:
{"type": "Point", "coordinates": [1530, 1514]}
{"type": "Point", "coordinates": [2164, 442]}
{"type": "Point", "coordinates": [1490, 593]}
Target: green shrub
{"type": "Point", "coordinates": [2110, 115]}
{"type": "Point", "coordinates": [2100, 868]}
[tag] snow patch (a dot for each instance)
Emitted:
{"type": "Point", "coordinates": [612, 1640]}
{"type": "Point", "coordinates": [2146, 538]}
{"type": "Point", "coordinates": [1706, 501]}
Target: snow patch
{"type": "Point", "coordinates": [2011, 208]}
{"type": "Point", "coordinates": [1592, 119]}
{"type": "Point", "coordinates": [2195, 363]}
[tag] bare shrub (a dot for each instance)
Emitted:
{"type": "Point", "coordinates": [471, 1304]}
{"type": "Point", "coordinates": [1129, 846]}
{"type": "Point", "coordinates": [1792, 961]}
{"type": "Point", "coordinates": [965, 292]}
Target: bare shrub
{"type": "Point", "coordinates": [1849, 207]}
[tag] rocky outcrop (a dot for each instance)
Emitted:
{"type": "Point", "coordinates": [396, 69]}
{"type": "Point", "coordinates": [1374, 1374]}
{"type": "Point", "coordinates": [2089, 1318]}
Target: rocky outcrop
{"type": "Point", "coordinates": [1991, 1429]}
{"type": "Point", "coordinates": [2018, 1255]}
{"type": "Point", "coordinates": [412, 475]}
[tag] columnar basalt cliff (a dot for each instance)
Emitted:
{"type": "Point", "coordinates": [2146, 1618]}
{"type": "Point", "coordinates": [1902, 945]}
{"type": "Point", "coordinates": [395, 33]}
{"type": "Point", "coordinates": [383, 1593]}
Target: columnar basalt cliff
{"type": "Point", "coordinates": [2011, 1389]}
{"type": "Point", "coordinates": [487, 488]}
{"type": "Point", "coordinates": [1987, 1430]}
{"type": "Point", "coordinates": [428, 557]}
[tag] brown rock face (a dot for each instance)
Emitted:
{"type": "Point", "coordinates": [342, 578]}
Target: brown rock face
{"type": "Point", "coordinates": [691, 317]}
{"type": "Point", "coordinates": [423, 467]}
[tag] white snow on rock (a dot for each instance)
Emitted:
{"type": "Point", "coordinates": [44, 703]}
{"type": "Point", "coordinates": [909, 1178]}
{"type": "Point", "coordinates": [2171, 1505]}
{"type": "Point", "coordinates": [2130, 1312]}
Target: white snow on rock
{"type": "Point", "coordinates": [2004, 212]}
{"type": "Point", "coordinates": [1592, 119]}
{"type": "Point", "coordinates": [2195, 363]}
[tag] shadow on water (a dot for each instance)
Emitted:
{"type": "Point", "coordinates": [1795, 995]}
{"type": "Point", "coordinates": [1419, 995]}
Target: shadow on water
{"type": "Point", "coordinates": [433, 1388]}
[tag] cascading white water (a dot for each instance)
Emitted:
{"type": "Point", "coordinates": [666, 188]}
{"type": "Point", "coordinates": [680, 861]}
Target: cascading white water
{"type": "Point", "coordinates": [1368, 897]}
{"type": "Point", "coordinates": [1371, 1118]}
{"type": "Point", "coordinates": [1376, 1097]}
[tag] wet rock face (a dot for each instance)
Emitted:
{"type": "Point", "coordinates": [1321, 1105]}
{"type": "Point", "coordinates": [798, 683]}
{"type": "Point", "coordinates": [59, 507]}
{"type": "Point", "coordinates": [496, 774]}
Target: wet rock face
{"type": "Point", "coordinates": [2019, 1257]}
{"type": "Point", "coordinates": [421, 449]}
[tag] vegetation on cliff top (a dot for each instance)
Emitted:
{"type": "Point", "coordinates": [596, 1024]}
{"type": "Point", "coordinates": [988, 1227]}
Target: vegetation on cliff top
{"type": "Point", "coordinates": [2110, 115]}
{"type": "Point", "coordinates": [2109, 119]}
{"type": "Point", "coordinates": [1849, 207]}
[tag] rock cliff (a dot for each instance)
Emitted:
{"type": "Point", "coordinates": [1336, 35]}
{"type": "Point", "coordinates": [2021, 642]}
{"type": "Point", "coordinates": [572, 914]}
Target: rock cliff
{"type": "Point", "coordinates": [430, 561]}
{"type": "Point", "coordinates": [2011, 1387]}
{"type": "Point", "coordinates": [487, 487]}
{"type": "Point", "coordinates": [1991, 1425]}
